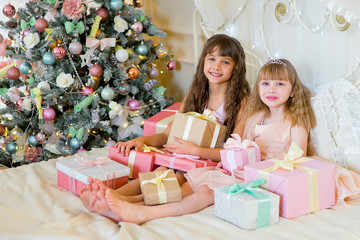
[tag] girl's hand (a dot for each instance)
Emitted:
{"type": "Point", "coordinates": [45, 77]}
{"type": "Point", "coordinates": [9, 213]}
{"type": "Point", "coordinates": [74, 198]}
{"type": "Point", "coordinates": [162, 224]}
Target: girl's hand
{"type": "Point", "coordinates": [239, 172]}
{"type": "Point", "coordinates": [184, 147]}
{"type": "Point", "coordinates": [219, 168]}
{"type": "Point", "coordinates": [125, 147]}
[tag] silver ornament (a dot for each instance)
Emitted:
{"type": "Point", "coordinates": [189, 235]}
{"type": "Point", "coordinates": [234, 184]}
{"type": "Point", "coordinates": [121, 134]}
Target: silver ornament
{"type": "Point", "coordinates": [95, 118]}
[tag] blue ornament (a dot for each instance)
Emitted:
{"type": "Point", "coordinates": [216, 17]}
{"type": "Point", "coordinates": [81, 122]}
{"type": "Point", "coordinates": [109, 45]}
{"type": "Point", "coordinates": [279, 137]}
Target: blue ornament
{"type": "Point", "coordinates": [12, 148]}
{"type": "Point", "coordinates": [74, 143]}
{"type": "Point", "coordinates": [25, 68]}
{"type": "Point", "coordinates": [141, 49]}
{"type": "Point", "coordinates": [124, 88]}
{"type": "Point", "coordinates": [66, 150]}
{"type": "Point", "coordinates": [116, 4]}
{"type": "Point", "coordinates": [49, 58]}
{"type": "Point", "coordinates": [33, 141]}
{"type": "Point", "coordinates": [107, 93]}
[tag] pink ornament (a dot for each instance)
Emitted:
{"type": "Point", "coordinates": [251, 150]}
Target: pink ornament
{"type": "Point", "coordinates": [48, 114]}
{"type": "Point", "coordinates": [59, 52]}
{"type": "Point", "coordinates": [86, 91]}
{"type": "Point", "coordinates": [41, 24]}
{"type": "Point", "coordinates": [133, 105]}
{"type": "Point", "coordinates": [103, 13]}
{"type": "Point", "coordinates": [96, 70]}
{"type": "Point", "coordinates": [13, 73]}
{"type": "Point", "coordinates": [75, 47]}
{"type": "Point", "coordinates": [9, 10]}
{"type": "Point", "coordinates": [170, 65]}
{"type": "Point", "coordinates": [81, 150]}
{"type": "Point", "coordinates": [26, 32]}
{"type": "Point", "coordinates": [137, 26]}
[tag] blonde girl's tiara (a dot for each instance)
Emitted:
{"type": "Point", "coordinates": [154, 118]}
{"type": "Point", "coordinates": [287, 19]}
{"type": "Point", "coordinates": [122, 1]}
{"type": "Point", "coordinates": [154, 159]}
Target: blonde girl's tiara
{"type": "Point", "coordinates": [276, 61]}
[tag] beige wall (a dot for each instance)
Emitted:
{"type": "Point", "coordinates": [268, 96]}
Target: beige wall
{"type": "Point", "coordinates": [175, 18]}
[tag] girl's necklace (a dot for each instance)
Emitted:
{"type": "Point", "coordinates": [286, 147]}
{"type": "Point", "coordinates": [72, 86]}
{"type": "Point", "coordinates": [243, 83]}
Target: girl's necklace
{"type": "Point", "coordinates": [218, 105]}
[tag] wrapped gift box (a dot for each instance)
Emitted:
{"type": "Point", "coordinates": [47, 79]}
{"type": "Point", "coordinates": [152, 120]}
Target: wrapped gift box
{"type": "Point", "coordinates": [181, 162]}
{"type": "Point", "coordinates": [196, 130]}
{"type": "Point", "coordinates": [247, 206]}
{"type": "Point", "coordinates": [308, 187]}
{"type": "Point", "coordinates": [239, 153]}
{"type": "Point", "coordinates": [73, 173]}
{"type": "Point", "coordinates": [159, 122]}
{"type": "Point", "coordinates": [160, 187]}
{"type": "Point", "coordinates": [137, 161]}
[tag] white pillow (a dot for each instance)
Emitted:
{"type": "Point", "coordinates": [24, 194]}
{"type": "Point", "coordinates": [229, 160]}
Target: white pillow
{"type": "Point", "coordinates": [337, 134]}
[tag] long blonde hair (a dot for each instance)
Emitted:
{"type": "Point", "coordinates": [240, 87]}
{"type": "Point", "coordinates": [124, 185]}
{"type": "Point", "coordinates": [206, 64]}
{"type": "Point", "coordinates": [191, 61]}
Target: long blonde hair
{"type": "Point", "coordinates": [237, 87]}
{"type": "Point", "coordinates": [298, 107]}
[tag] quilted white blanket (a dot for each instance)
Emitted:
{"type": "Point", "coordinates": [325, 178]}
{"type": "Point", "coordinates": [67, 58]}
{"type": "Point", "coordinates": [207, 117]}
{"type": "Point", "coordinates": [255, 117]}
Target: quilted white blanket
{"type": "Point", "coordinates": [32, 206]}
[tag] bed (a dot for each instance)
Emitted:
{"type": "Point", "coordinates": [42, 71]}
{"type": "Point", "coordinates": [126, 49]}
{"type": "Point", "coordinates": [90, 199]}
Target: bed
{"type": "Point", "coordinates": [32, 206]}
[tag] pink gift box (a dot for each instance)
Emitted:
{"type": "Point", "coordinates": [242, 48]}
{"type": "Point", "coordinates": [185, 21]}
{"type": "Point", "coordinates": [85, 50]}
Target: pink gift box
{"type": "Point", "coordinates": [301, 191]}
{"type": "Point", "coordinates": [138, 162]}
{"type": "Point", "coordinates": [180, 162]}
{"type": "Point", "coordinates": [232, 158]}
{"type": "Point", "coordinates": [73, 173]}
{"type": "Point", "coordinates": [159, 122]}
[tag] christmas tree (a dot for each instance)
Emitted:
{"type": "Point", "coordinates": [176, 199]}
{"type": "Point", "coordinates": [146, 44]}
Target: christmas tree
{"type": "Point", "coordinates": [74, 77]}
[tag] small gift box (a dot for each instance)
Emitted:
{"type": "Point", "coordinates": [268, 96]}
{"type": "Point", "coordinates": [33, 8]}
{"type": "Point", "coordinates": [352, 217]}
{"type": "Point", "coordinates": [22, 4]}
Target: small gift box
{"type": "Point", "coordinates": [160, 121]}
{"type": "Point", "coordinates": [200, 129]}
{"type": "Point", "coordinates": [239, 153]}
{"type": "Point", "coordinates": [182, 162]}
{"type": "Point", "coordinates": [73, 173]}
{"type": "Point", "coordinates": [247, 206]}
{"type": "Point", "coordinates": [137, 161]}
{"type": "Point", "coordinates": [304, 185]}
{"type": "Point", "coordinates": [160, 187]}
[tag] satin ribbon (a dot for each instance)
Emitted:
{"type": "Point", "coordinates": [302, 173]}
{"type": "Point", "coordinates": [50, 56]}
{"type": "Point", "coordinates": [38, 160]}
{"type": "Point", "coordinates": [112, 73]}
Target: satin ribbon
{"type": "Point", "coordinates": [93, 43]}
{"type": "Point", "coordinates": [236, 143]}
{"type": "Point", "coordinates": [207, 115]}
{"type": "Point", "coordinates": [159, 179]}
{"type": "Point", "coordinates": [37, 92]}
{"type": "Point", "coordinates": [290, 162]}
{"type": "Point", "coordinates": [147, 148]}
{"type": "Point", "coordinates": [24, 24]}
{"type": "Point", "coordinates": [162, 124]}
{"type": "Point", "coordinates": [69, 27]}
{"type": "Point", "coordinates": [49, 32]}
{"type": "Point", "coordinates": [187, 156]}
{"type": "Point", "coordinates": [264, 201]}
{"type": "Point", "coordinates": [76, 133]}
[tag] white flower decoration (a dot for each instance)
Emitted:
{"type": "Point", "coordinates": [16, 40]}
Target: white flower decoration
{"type": "Point", "coordinates": [64, 80]}
{"type": "Point", "coordinates": [116, 110]}
{"type": "Point", "coordinates": [27, 104]}
{"type": "Point", "coordinates": [120, 24]}
{"type": "Point", "coordinates": [31, 40]}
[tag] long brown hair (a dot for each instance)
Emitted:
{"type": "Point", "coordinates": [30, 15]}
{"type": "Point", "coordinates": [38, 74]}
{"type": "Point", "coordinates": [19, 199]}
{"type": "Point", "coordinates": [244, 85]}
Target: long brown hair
{"type": "Point", "coordinates": [237, 87]}
{"type": "Point", "coordinates": [298, 107]}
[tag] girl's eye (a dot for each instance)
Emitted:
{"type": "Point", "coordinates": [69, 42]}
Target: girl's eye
{"type": "Point", "coordinates": [281, 84]}
{"type": "Point", "coordinates": [226, 62]}
{"type": "Point", "coordinates": [211, 59]}
{"type": "Point", "coordinates": [265, 83]}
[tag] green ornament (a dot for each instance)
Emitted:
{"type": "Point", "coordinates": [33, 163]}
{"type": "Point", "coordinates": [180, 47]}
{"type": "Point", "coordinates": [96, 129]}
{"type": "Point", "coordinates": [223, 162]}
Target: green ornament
{"type": "Point", "coordinates": [84, 103]}
{"type": "Point", "coordinates": [3, 91]}
{"type": "Point", "coordinates": [141, 17]}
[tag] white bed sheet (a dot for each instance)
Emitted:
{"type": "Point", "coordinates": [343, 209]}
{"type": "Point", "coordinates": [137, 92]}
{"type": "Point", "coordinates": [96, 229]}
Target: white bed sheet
{"type": "Point", "coordinates": [32, 206]}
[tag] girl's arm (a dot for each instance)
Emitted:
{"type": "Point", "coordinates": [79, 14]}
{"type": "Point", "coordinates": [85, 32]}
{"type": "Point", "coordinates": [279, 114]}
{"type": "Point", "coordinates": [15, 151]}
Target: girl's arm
{"type": "Point", "coordinates": [300, 135]}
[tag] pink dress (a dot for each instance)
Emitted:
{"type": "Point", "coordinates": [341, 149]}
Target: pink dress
{"type": "Point", "coordinates": [275, 139]}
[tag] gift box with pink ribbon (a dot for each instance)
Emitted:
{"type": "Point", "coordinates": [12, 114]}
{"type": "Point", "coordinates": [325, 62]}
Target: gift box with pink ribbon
{"type": "Point", "coordinates": [246, 205]}
{"type": "Point", "coordinates": [200, 129]}
{"type": "Point", "coordinates": [160, 121]}
{"type": "Point", "coordinates": [160, 187]}
{"type": "Point", "coordinates": [138, 161]}
{"type": "Point", "coordinates": [305, 185]}
{"type": "Point", "coordinates": [73, 173]}
{"type": "Point", "coordinates": [239, 153]}
{"type": "Point", "coordinates": [182, 162]}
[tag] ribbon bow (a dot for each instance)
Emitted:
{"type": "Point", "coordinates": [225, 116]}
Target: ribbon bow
{"type": "Point", "coordinates": [24, 24]}
{"type": "Point", "coordinates": [291, 159]}
{"type": "Point", "coordinates": [116, 109]}
{"type": "Point", "coordinates": [76, 133]}
{"type": "Point", "coordinates": [85, 162]}
{"type": "Point", "coordinates": [207, 115]}
{"type": "Point", "coordinates": [147, 148]}
{"type": "Point", "coordinates": [69, 27]}
{"type": "Point", "coordinates": [237, 188]}
{"type": "Point", "coordinates": [235, 142]}
{"type": "Point", "coordinates": [93, 43]}
{"type": "Point", "coordinates": [37, 92]}
{"type": "Point", "coordinates": [49, 32]}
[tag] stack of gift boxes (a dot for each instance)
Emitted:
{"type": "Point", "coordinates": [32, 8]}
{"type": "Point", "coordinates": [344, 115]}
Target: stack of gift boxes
{"type": "Point", "coordinates": [289, 187]}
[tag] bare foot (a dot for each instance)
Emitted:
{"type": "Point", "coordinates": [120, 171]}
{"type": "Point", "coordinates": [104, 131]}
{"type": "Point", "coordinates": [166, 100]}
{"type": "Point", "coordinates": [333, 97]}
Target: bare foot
{"type": "Point", "coordinates": [88, 194]}
{"type": "Point", "coordinates": [127, 212]}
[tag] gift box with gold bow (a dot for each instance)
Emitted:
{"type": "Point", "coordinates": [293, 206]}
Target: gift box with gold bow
{"type": "Point", "coordinates": [246, 205]}
{"type": "Point", "coordinates": [160, 121]}
{"type": "Point", "coordinates": [239, 153]}
{"type": "Point", "coordinates": [182, 162]}
{"type": "Point", "coordinates": [73, 172]}
{"type": "Point", "coordinates": [160, 187]}
{"type": "Point", "coordinates": [200, 129]}
{"type": "Point", "coordinates": [137, 161]}
{"type": "Point", "coordinates": [305, 185]}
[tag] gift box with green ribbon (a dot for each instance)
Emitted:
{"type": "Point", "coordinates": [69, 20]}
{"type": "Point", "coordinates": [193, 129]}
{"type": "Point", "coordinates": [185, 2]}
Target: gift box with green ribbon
{"type": "Point", "coordinates": [246, 205]}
